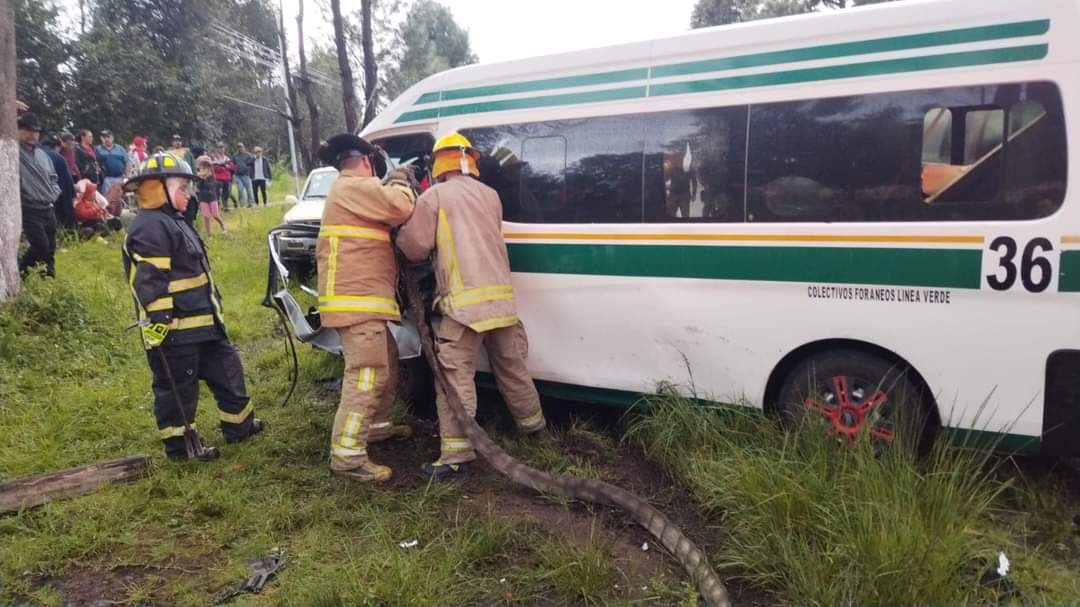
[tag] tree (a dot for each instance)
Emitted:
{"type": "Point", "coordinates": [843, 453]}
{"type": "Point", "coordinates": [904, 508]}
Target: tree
{"type": "Point", "coordinates": [305, 87]}
{"type": "Point", "coordinates": [371, 74]}
{"type": "Point", "coordinates": [430, 41]}
{"type": "Point", "coordinates": [348, 86]}
{"type": "Point", "coordinates": [720, 12]}
{"type": "Point", "coordinates": [323, 59]}
{"type": "Point", "coordinates": [10, 211]}
{"type": "Point", "coordinates": [133, 73]}
{"type": "Point", "coordinates": [40, 54]}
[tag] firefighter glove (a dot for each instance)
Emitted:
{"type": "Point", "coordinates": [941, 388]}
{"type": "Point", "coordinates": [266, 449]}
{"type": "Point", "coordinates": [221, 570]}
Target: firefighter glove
{"type": "Point", "coordinates": [405, 175]}
{"type": "Point", "coordinates": [154, 334]}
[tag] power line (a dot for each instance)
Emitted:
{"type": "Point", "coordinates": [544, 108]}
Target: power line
{"type": "Point", "coordinates": [248, 48]}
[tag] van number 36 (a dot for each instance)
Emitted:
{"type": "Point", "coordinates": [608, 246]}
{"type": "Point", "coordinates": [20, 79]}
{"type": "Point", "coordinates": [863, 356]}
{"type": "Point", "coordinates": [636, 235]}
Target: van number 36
{"type": "Point", "coordinates": [1008, 263]}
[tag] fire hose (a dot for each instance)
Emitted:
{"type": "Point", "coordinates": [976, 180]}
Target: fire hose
{"type": "Point", "coordinates": [662, 528]}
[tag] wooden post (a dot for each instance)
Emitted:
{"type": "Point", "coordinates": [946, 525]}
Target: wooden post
{"type": "Point", "coordinates": [34, 491]}
{"type": "Point", "coordinates": [10, 211]}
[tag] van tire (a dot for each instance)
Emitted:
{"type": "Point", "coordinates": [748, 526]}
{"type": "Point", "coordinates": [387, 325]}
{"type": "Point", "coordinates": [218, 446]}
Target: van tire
{"type": "Point", "coordinates": [857, 394]}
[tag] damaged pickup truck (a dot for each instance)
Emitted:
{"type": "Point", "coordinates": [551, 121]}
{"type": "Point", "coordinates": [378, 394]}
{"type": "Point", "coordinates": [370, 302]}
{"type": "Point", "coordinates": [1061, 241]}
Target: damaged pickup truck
{"type": "Point", "coordinates": [292, 280]}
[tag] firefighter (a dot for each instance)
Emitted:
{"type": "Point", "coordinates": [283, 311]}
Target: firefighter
{"type": "Point", "coordinates": [179, 310]}
{"type": "Point", "coordinates": [459, 222]}
{"type": "Point", "coordinates": [358, 295]}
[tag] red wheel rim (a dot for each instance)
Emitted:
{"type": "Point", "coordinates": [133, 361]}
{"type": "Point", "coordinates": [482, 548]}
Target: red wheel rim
{"type": "Point", "coordinates": [849, 412]}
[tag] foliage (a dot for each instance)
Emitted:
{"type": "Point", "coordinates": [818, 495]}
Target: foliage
{"type": "Point", "coordinates": [720, 12]}
{"type": "Point", "coordinates": [430, 41]}
{"type": "Point", "coordinates": [40, 54]}
{"type": "Point", "coordinates": [146, 68]}
{"type": "Point", "coordinates": [824, 523]}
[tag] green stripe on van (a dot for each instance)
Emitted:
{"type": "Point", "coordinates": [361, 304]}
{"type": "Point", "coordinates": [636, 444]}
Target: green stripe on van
{"type": "Point", "coordinates": [418, 115]}
{"type": "Point", "coordinates": [855, 70]}
{"type": "Point", "coordinates": [1069, 280]}
{"type": "Point", "coordinates": [635, 92]}
{"type": "Point", "coordinates": [541, 85]}
{"type": "Point", "coordinates": [871, 68]}
{"type": "Point", "coordinates": [862, 47]}
{"type": "Point", "coordinates": [1002, 31]}
{"type": "Point", "coordinates": [942, 268]}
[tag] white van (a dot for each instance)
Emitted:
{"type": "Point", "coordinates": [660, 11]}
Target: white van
{"type": "Point", "coordinates": [821, 214]}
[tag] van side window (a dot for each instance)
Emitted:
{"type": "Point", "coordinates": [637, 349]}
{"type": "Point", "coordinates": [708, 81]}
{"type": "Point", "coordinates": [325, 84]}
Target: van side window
{"type": "Point", "coordinates": [978, 153]}
{"type": "Point", "coordinates": [962, 140]}
{"type": "Point", "coordinates": [993, 152]}
{"type": "Point", "coordinates": [565, 171]}
{"type": "Point", "coordinates": [838, 159]}
{"type": "Point", "coordinates": [543, 178]}
{"type": "Point", "coordinates": [695, 166]}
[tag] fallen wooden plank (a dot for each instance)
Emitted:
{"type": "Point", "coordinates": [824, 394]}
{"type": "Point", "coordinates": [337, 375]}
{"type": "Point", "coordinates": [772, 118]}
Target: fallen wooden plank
{"type": "Point", "coordinates": [34, 491]}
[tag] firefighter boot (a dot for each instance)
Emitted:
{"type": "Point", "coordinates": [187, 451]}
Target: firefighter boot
{"type": "Point", "coordinates": [438, 471]}
{"type": "Point", "coordinates": [369, 472]}
{"type": "Point", "coordinates": [257, 426]}
{"type": "Point", "coordinates": [390, 431]}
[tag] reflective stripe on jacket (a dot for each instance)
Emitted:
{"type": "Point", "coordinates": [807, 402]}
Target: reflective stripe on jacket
{"type": "Point", "coordinates": [460, 220]}
{"type": "Point", "coordinates": [357, 269]}
{"type": "Point", "coordinates": [168, 272]}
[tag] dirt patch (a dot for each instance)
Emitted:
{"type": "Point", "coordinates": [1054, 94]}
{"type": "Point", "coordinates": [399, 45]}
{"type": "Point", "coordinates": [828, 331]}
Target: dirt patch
{"type": "Point", "coordinates": [87, 587]}
{"type": "Point", "coordinates": [578, 523]}
{"type": "Point", "coordinates": [99, 587]}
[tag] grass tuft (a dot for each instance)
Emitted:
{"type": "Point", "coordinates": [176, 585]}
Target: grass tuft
{"type": "Point", "coordinates": [824, 523]}
{"type": "Point", "coordinates": [579, 572]}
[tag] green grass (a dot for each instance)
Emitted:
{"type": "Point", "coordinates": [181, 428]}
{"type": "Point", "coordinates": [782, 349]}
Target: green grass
{"type": "Point", "coordinates": [282, 184]}
{"type": "Point", "coordinates": [75, 388]}
{"type": "Point", "coordinates": [807, 520]}
{"type": "Point", "coordinates": [824, 523]}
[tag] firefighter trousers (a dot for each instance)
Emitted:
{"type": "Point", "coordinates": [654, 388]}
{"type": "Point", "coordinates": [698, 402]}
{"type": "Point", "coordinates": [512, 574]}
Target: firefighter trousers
{"type": "Point", "coordinates": [218, 364]}
{"type": "Point", "coordinates": [367, 392]}
{"type": "Point", "coordinates": [507, 349]}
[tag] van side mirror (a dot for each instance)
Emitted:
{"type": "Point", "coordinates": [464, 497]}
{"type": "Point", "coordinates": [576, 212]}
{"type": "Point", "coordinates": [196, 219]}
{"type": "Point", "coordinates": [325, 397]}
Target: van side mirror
{"type": "Point", "coordinates": [290, 199]}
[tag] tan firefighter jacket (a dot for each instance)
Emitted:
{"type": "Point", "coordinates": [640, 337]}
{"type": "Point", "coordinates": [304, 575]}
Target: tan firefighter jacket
{"type": "Point", "coordinates": [357, 269]}
{"type": "Point", "coordinates": [460, 220]}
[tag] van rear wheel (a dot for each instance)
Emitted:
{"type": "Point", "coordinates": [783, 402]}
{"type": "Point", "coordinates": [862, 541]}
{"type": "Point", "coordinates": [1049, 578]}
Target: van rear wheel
{"type": "Point", "coordinates": [855, 394]}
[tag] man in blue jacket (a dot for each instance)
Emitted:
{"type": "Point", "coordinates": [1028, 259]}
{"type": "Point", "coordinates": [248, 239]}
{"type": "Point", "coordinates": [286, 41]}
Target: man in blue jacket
{"type": "Point", "coordinates": [113, 160]}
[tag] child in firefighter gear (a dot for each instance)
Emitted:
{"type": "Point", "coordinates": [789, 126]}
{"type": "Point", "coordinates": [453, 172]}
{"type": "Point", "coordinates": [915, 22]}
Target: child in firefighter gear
{"type": "Point", "coordinates": [358, 295]}
{"type": "Point", "coordinates": [459, 220]}
{"type": "Point", "coordinates": [179, 309]}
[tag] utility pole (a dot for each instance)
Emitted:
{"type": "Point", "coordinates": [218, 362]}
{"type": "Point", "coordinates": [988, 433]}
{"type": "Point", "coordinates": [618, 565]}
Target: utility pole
{"type": "Point", "coordinates": [288, 106]}
{"type": "Point", "coordinates": [10, 209]}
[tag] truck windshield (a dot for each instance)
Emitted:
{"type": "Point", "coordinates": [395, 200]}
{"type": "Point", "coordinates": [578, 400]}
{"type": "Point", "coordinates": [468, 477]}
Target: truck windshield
{"type": "Point", "coordinates": [318, 185]}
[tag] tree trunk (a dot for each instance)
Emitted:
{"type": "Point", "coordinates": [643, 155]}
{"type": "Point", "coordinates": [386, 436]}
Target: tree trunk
{"type": "Point", "coordinates": [290, 91]}
{"type": "Point", "coordinates": [348, 86]}
{"type": "Point", "coordinates": [305, 86]}
{"type": "Point", "coordinates": [10, 209]}
{"type": "Point", "coordinates": [371, 75]}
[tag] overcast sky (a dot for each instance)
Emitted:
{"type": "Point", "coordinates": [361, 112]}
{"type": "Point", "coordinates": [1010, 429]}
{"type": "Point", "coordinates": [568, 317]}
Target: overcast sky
{"type": "Point", "coordinates": [500, 30]}
{"type": "Point", "coordinates": [511, 29]}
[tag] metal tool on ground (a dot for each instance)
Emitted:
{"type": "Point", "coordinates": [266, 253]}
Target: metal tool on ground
{"type": "Point", "coordinates": [192, 442]}
{"type": "Point", "coordinates": [261, 570]}
{"type": "Point", "coordinates": [665, 531]}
